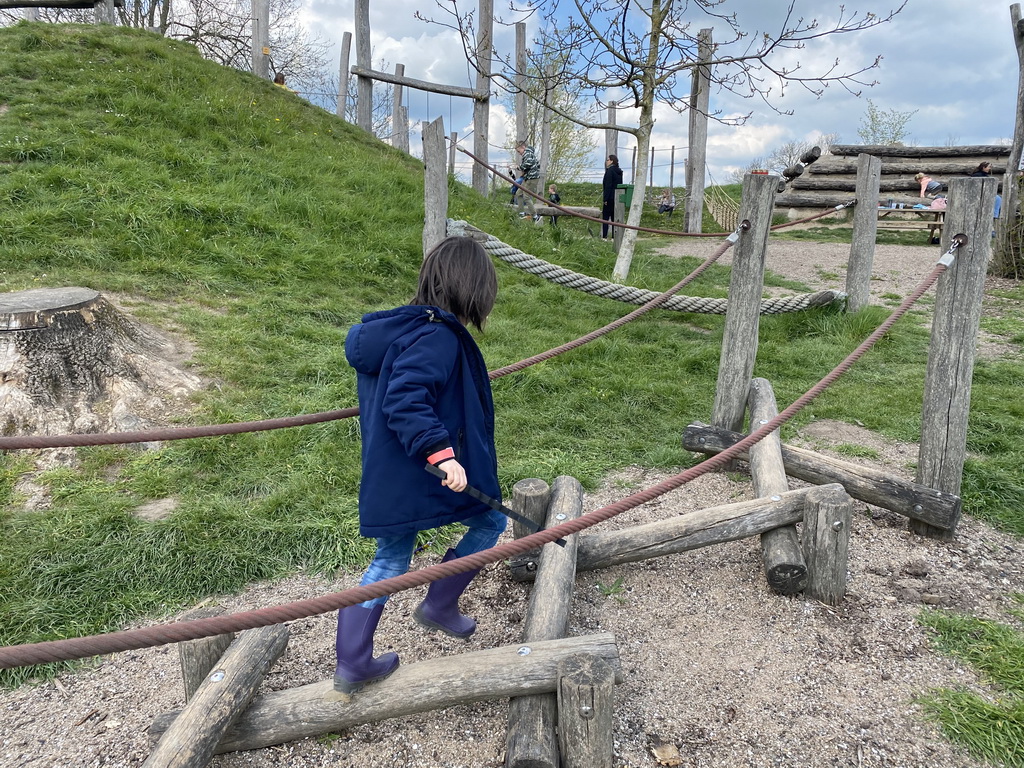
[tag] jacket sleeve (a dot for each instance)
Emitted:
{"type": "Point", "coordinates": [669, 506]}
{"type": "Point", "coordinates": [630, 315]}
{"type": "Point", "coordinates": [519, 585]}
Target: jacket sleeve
{"type": "Point", "coordinates": [418, 377]}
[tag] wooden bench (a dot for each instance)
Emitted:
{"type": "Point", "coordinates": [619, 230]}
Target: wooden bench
{"type": "Point", "coordinates": [930, 219]}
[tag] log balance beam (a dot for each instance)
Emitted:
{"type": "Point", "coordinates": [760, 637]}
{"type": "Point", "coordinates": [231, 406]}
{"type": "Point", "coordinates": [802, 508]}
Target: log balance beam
{"type": "Point", "coordinates": [495, 673]}
{"type": "Point", "coordinates": [918, 502]}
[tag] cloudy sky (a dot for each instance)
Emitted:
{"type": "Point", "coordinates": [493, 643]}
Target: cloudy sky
{"type": "Point", "coordinates": [952, 61]}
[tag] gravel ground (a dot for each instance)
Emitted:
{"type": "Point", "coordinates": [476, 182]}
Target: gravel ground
{"type": "Point", "coordinates": [719, 672]}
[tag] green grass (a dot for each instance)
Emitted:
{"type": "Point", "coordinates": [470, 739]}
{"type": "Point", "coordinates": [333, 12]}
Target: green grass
{"type": "Point", "coordinates": [263, 228]}
{"type": "Point", "coordinates": [992, 726]}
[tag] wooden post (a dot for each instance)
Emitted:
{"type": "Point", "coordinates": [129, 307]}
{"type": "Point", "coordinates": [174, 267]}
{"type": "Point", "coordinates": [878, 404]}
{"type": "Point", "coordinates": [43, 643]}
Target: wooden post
{"type": "Point", "coordinates": [586, 706]}
{"type": "Point", "coordinates": [31, 14]}
{"type": "Point", "coordinates": [682, 533]}
{"type": "Point", "coordinates": [916, 501]}
{"type": "Point", "coordinates": [198, 657]}
{"type": "Point", "coordinates": [403, 129]}
{"type": "Point", "coordinates": [784, 565]}
{"type": "Point", "coordinates": [1008, 218]}
{"type": "Point", "coordinates": [865, 228]}
{"type": "Point", "coordinates": [742, 317]}
{"type": "Point", "coordinates": [545, 131]}
{"type": "Point", "coordinates": [343, 74]}
{"type": "Point", "coordinates": [453, 142]}
{"type": "Point", "coordinates": [696, 163]}
{"type": "Point", "coordinates": [651, 182]}
{"type": "Point", "coordinates": [522, 122]}
{"type": "Point", "coordinates": [611, 135]}
{"type": "Point", "coordinates": [672, 170]}
{"type": "Point", "coordinates": [190, 740]}
{"type": "Point", "coordinates": [364, 85]}
{"type": "Point", "coordinates": [826, 533]}
{"type": "Point", "coordinates": [396, 111]}
{"type": "Point", "coordinates": [261, 38]}
{"type": "Point", "coordinates": [482, 107]}
{"type": "Point", "coordinates": [956, 319]}
{"type": "Point", "coordinates": [105, 12]}
{"type": "Point", "coordinates": [531, 740]}
{"type": "Point", "coordinates": [496, 673]}
{"type": "Point", "coordinates": [530, 499]}
{"type": "Point", "coordinates": [435, 186]}
{"type": "Point", "coordinates": [618, 216]}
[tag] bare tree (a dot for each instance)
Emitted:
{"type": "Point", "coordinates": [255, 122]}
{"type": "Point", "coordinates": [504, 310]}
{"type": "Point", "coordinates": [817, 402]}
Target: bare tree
{"type": "Point", "coordinates": [641, 54]}
{"type": "Point", "coordinates": [787, 155]}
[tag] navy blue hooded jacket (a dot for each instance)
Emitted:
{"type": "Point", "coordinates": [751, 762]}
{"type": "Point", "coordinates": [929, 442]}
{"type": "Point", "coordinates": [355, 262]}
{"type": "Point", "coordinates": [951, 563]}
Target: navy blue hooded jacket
{"type": "Point", "coordinates": [422, 387]}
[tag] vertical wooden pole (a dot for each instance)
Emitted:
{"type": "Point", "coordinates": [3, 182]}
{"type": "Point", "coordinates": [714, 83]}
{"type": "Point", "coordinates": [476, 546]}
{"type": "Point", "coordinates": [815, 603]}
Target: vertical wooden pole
{"type": "Point", "coordinates": [611, 135]}
{"type": "Point", "coordinates": [198, 657]}
{"type": "Point", "coordinates": [957, 317]}
{"type": "Point", "coordinates": [364, 85]}
{"type": "Point", "coordinates": [700, 94]}
{"type": "Point", "coordinates": [261, 38]}
{"type": "Point", "coordinates": [865, 228]}
{"type": "Point", "coordinates": [105, 12]}
{"type": "Point", "coordinates": [1005, 255]}
{"type": "Point", "coordinates": [31, 14]}
{"type": "Point", "coordinates": [651, 182]}
{"type": "Point", "coordinates": [742, 317]}
{"type": "Point", "coordinates": [618, 216]}
{"type": "Point", "coordinates": [672, 170]}
{"type": "Point", "coordinates": [403, 128]}
{"type": "Point", "coordinates": [396, 109]}
{"type": "Point", "coordinates": [453, 141]}
{"type": "Point", "coordinates": [435, 186]}
{"type": "Point", "coordinates": [482, 108]}
{"type": "Point", "coordinates": [343, 75]}
{"type": "Point", "coordinates": [545, 131]}
{"type": "Point", "coordinates": [522, 112]}
{"type": "Point", "coordinates": [827, 516]}
{"type": "Point", "coordinates": [586, 709]}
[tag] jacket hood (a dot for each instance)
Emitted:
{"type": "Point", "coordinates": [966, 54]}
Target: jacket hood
{"type": "Point", "coordinates": [367, 344]}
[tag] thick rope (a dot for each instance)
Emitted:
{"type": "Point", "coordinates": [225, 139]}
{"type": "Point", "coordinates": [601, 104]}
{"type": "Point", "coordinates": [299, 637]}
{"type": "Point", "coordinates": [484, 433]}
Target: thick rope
{"type": "Point", "coordinates": [81, 647]}
{"type": "Point", "coordinates": [628, 293]}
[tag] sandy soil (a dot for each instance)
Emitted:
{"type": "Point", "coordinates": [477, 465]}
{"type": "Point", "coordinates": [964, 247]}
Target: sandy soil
{"type": "Point", "coordinates": [719, 672]}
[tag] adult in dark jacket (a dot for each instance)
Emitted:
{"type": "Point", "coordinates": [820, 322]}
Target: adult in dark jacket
{"type": "Point", "coordinates": [424, 397]}
{"type": "Point", "coordinates": [610, 182]}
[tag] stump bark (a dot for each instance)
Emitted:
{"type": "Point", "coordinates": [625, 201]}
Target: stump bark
{"type": "Point", "coordinates": [70, 362]}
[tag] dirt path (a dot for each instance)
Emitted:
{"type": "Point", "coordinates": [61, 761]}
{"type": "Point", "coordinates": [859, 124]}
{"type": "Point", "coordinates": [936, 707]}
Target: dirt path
{"type": "Point", "coordinates": [718, 669]}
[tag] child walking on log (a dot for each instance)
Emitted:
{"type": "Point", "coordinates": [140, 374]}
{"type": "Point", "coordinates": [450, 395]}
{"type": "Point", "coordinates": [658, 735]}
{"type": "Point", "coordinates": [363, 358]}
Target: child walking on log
{"type": "Point", "coordinates": [424, 397]}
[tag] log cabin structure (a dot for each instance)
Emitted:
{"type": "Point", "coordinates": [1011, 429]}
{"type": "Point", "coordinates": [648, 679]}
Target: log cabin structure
{"type": "Point", "coordinates": [832, 180]}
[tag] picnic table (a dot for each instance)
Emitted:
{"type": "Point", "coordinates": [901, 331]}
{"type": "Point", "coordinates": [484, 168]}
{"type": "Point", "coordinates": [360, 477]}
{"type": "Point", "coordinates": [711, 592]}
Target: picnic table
{"type": "Point", "coordinates": [919, 218]}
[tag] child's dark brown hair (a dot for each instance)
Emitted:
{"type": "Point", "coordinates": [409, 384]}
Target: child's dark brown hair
{"type": "Point", "coordinates": [458, 276]}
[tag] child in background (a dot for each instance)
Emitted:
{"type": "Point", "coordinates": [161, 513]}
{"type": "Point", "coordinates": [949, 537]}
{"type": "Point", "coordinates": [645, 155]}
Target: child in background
{"type": "Point", "coordinates": [554, 198]}
{"type": "Point", "coordinates": [424, 397]}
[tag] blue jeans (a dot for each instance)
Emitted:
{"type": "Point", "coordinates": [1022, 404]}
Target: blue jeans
{"type": "Point", "coordinates": [394, 553]}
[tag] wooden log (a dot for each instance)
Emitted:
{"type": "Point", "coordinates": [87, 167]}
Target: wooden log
{"type": "Point", "coordinates": [955, 324]}
{"type": "Point", "coordinates": [884, 150]}
{"type": "Point", "coordinates": [482, 107]}
{"type": "Point", "coordinates": [420, 85]}
{"type": "Point", "coordinates": [530, 499]}
{"type": "Point", "coordinates": [531, 741]}
{"type": "Point", "coordinates": [845, 166]}
{"type": "Point", "coordinates": [742, 318]}
{"type": "Point", "coordinates": [586, 706]}
{"type": "Point", "coordinates": [190, 740]}
{"type": "Point", "coordinates": [364, 84]}
{"type": "Point", "coordinates": [793, 171]}
{"type": "Point", "coordinates": [826, 532]}
{"type": "Point", "coordinates": [343, 70]}
{"type": "Point", "coordinates": [916, 501]}
{"type": "Point", "coordinates": [807, 200]}
{"type": "Point", "coordinates": [435, 186]}
{"type": "Point", "coordinates": [495, 673]}
{"type": "Point", "coordinates": [693, 530]}
{"type": "Point", "coordinates": [865, 232]}
{"type": "Point", "coordinates": [198, 657]}
{"type": "Point", "coordinates": [696, 162]}
{"type": "Point", "coordinates": [811, 155]}
{"type": "Point", "coordinates": [784, 566]}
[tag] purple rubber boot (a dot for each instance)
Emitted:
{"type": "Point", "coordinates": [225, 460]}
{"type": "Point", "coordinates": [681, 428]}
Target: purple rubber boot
{"type": "Point", "coordinates": [354, 646]}
{"type": "Point", "coordinates": [440, 609]}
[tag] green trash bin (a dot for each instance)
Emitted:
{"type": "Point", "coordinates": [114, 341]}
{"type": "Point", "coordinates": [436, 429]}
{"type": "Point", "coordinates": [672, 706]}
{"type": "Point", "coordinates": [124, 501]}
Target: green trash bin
{"type": "Point", "coordinates": [627, 194]}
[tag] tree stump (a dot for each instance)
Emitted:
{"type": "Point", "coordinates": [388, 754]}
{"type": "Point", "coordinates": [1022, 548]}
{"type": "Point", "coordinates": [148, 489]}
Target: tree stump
{"type": "Point", "coordinates": [70, 362]}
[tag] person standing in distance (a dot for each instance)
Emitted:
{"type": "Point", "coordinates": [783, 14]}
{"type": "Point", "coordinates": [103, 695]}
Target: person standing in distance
{"type": "Point", "coordinates": [612, 179]}
{"type": "Point", "coordinates": [529, 171]}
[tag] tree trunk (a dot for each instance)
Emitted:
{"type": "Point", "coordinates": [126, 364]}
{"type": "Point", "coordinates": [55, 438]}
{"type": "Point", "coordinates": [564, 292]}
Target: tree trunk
{"type": "Point", "coordinates": [70, 362]}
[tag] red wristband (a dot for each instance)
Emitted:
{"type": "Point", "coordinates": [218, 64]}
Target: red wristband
{"type": "Point", "coordinates": [442, 455]}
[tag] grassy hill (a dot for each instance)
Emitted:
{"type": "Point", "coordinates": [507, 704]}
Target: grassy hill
{"type": "Point", "coordinates": [262, 227]}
